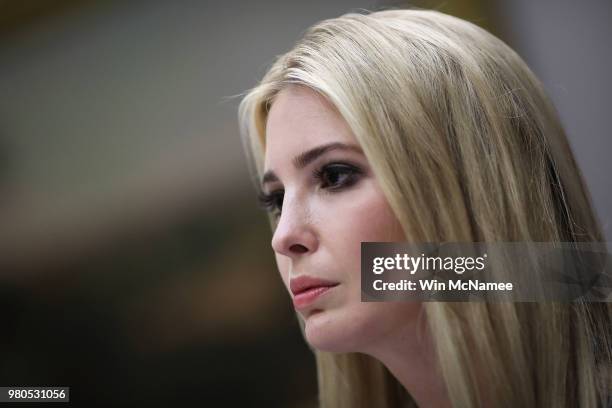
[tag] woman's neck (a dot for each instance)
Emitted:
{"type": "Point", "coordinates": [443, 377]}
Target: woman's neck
{"type": "Point", "coordinates": [410, 357]}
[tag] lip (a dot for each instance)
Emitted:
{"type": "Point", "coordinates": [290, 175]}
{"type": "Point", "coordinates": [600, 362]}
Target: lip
{"type": "Point", "coordinates": [306, 289]}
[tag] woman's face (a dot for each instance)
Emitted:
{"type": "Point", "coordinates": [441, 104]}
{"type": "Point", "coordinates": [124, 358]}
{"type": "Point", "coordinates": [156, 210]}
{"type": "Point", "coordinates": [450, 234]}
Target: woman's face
{"type": "Point", "coordinates": [327, 203]}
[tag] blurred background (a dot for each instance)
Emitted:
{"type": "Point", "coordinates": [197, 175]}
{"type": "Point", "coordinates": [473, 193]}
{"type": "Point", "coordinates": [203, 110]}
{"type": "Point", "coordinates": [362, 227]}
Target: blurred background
{"type": "Point", "coordinates": [135, 266]}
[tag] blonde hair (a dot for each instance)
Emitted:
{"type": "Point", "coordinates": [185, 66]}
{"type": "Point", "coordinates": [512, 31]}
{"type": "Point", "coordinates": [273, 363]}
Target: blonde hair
{"type": "Point", "coordinates": [458, 130]}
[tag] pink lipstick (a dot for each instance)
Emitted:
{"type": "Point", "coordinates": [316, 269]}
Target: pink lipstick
{"type": "Point", "coordinates": [307, 289]}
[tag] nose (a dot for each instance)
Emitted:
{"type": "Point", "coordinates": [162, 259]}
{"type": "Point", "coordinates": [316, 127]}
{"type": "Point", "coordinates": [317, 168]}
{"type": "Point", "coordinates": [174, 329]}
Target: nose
{"type": "Point", "coordinates": [294, 234]}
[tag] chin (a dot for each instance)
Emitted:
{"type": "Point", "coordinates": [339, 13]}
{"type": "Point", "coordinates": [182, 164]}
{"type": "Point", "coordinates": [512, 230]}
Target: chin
{"type": "Point", "coordinates": [326, 332]}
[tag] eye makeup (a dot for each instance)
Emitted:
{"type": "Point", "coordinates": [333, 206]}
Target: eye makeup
{"type": "Point", "coordinates": [331, 177]}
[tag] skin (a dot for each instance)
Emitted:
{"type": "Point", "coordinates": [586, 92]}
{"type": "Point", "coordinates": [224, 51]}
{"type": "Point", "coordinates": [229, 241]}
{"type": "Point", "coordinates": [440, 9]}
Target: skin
{"type": "Point", "coordinates": [319, 233]}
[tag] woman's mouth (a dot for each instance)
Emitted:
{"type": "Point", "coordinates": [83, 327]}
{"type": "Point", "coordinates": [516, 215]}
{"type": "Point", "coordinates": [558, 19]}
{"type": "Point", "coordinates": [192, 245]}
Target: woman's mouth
{"type": "Point", "coordinates": [307, 289]}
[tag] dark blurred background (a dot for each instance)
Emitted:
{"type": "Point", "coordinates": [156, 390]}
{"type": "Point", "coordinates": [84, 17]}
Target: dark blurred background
{"type": "Point", "coordinates": [135, 266]}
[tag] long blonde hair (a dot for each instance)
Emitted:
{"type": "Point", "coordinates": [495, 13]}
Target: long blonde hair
{"type": "Point", "coordinates": [466, 147]}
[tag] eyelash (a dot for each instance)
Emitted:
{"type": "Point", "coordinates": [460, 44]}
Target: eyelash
{"type": "Point", "coordinates": [270, 203]}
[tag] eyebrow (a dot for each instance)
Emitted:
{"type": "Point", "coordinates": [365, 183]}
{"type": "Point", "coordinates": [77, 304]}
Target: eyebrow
{"type": "Point", "coordinates": [304, 159]}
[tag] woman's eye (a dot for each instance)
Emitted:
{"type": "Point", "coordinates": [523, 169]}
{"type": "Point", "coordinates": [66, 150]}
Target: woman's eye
{"type": "Point", "coordinates": [272, 202]}
{"type": "Point", "coordinates": [331, 177]}
{"type": "Point", "coordinates": [337, 176]}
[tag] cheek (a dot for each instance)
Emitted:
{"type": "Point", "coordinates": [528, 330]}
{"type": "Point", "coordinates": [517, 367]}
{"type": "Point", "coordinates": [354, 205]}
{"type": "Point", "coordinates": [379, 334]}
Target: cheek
{"type": "Point", "coordinates": [381, 224]}
{"type": "Point", "coordinates": [366, 216]}
{"type": "Point", "coordinates": [362, 216]}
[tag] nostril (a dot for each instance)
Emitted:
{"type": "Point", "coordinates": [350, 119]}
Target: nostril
{"type": "Point", "coordinates": [299, 248]}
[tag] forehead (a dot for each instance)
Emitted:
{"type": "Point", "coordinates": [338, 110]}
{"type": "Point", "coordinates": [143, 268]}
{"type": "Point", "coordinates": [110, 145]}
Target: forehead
{"type": "Point", "coordinates": [299, 119]}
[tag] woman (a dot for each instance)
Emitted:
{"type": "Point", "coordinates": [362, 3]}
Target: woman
{"type": "Point", "coordinates": [412, 125]}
